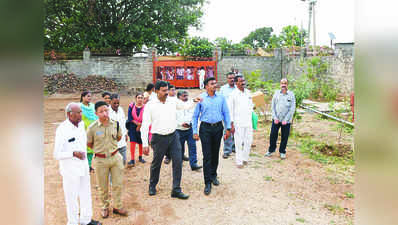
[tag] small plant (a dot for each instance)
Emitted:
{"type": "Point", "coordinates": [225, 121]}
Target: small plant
{"type": "Point", "coordinates": [301, 220]}
{"type": "Point", "coordinates": [335, 209]}
{"type": "Point", "coordinates": [349, 195]}
{"type": "Point", "coordinates": [268, 178]}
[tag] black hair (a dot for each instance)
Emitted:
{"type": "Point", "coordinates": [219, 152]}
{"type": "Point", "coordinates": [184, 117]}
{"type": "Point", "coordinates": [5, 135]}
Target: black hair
{"type": "Point", "coordinates": [171, 86]}
{"type": "Point", "coordinates": [160, 84]}
{"type": "Point", "coordinates": [237, 78]}
{"type": "Point", "coordinates": [208, 79]}
{"type": "Point", "coordinates": [105, 94]}
{"type": "Point", "coordinates": [138, 94]}
{"type": "Point", "coordinates": [181, 92]}
{"type": "Point", "coordinates": [230, 73]}
{"type": "Point", "coordinates": [99, 104]}
{"type": "Point", "coordinates": [149, 87]}
{"type": "Point", "coordinates": [113, 96]}
{"type": "Point", "coordinates": [84, 93]}
{"type": "Point", "coordinates": [202, 68]}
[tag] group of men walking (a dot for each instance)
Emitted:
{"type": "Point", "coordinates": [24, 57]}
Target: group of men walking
{"type": "Point", "coordinates": [167, 123]}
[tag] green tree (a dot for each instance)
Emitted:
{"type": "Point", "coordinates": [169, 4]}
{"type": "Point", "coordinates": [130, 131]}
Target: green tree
{"type": "Point", "coordinates": [258, 38]}
{"type": "Point", "coordinates": [198, 47]}
{"type": "Point", "coordinates": [70, 25]}
{"type": "Point", "coordinates": [274, 42]}
{"type": "Point", "coordinates": [292, 36]}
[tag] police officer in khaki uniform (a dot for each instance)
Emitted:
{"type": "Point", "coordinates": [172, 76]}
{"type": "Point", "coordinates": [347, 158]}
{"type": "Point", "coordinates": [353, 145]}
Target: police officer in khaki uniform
{"type": "Point", "coordinates": [102, 137]}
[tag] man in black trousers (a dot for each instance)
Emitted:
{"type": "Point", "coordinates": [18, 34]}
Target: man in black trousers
{"type": "Point", "coordinates": [161, 113]}
{"type": "Point", "coordinates": [212, 110]}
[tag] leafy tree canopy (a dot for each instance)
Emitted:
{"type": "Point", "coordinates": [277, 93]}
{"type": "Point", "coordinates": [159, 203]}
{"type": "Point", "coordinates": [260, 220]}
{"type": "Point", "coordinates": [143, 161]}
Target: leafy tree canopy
{"type": "Point", "coordinates": [71, 25]}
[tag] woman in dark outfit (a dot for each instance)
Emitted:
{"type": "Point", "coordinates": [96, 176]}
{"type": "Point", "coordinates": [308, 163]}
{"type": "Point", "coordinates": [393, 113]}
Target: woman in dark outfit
{"type": "Point", "coordinates": [133, 125]}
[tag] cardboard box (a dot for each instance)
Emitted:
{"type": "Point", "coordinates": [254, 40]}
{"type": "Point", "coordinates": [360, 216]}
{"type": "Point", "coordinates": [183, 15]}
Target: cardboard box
{"type": "Point", "coordinates": [258, 99]}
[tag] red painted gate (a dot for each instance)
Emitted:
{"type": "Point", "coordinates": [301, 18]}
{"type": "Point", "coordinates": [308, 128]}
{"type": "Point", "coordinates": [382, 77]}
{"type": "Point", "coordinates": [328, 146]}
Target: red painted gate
{"type": "Point", "coordinates": [182, 74]}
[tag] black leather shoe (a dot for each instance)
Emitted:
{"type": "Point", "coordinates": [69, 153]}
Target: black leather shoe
{"type": "Point", "coordinates": [185, 158]}
{"type": "Point", "coordinates": [215, 181]}
{"type": "Point", "coordinates": [166, 160]}
{"type": "Point", "coordinates": [207, 189]}
{"type": "Point", "coordinates": [180, 195]}
{"type": "Point", "coordinates": [152, 191]}
{"type": "Point", "coordinates": [94, 222]}
{"type": "Point", "coordinates": [196, 167]}
{"type": "Point", "coordinates": [225, 155]}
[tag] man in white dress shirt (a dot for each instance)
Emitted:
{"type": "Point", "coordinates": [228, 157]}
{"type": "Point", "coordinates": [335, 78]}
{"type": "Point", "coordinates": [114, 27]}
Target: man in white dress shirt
{"type": "Point", "coordinates": [116, 113]}
{"type": "Point", "coordinates": [70, 150]}
{"type": "Point", "coordinates": [161, 113]}
{"type": "Point", "coordinates": [241, 109]}
{"type": "Point", "coordinates": [171, 95]}
{"type": "Point", "coordinates": [184, 130]}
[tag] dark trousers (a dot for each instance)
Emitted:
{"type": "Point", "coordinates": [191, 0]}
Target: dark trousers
{"type": "Point", "coordinates": [187, 136]}
{"type": "Point", "coordinates": [162, 144]}
{"type": "Point", "coordinates": [285, 129]}
{"type": "Point", "coordinates": [210, 137]}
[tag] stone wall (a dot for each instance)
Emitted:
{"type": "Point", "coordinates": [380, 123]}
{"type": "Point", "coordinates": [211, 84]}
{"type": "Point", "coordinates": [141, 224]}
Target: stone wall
{"type": "Point", "coordinates": [341, 68]}
{"type": "Point", "coordinates": [136, 72]}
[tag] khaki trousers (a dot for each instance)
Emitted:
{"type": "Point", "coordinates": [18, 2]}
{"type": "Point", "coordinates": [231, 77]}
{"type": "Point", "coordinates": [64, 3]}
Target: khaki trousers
{"type": "Point", "coordinates": [114, 166]}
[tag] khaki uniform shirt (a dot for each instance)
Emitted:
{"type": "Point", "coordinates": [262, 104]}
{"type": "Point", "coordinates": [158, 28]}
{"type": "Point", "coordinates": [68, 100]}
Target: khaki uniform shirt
{"type": "Point", "coordinates": [104, 138]}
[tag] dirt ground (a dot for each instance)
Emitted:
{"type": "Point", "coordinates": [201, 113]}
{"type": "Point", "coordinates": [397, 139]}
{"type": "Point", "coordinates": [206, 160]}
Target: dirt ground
{"type": "Point", "coordinates": [297, 190]}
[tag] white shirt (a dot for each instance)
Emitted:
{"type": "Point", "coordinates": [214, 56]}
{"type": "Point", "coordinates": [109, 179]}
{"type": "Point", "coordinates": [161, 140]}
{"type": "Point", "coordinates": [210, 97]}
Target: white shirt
{"type": "Point", "coordinates": [68, 139]}
{"type": "Point", "coordinates": [153, 96]}
{"type": "Point", "coordinates": [184, 116]}
{"type": "Point", "coordinates": [241, 107]}
{"type": "Point", "coordinates": [162, 116]}
{"type": "Point", "coordinates": [121, 118]}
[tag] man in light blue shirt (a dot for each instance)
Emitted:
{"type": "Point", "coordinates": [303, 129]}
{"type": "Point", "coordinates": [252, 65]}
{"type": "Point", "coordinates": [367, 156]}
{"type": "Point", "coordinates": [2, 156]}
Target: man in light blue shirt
{"type": "Point", "coordinates": [226, 90]}
{"type": "Point", "coordinates": [283, 107]}
{"type": "Point", "coordinates": [212, 110]}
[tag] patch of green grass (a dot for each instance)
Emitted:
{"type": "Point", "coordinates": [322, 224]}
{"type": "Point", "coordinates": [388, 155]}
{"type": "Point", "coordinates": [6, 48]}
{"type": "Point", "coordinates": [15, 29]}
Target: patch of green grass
{"type": "Point", "coordinates": [308, 146]}
{"type": "Point", "coordinates": [335, 209]}
{"type": "Point", "coordinates": [301, 220]}
{"type": "Point", "coordinates": [333, 180]}
{"type": "Point", "coordinates": [268, 178]}
{"type": "Point", "coordinates": [349, 195]}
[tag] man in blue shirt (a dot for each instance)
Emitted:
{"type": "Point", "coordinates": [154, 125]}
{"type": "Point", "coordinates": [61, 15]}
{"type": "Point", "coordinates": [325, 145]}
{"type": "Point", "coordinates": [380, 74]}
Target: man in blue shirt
{"type": "Point", "coordinates": [226, 90]}
{"type": "Point", "coordinates": [212, 110]}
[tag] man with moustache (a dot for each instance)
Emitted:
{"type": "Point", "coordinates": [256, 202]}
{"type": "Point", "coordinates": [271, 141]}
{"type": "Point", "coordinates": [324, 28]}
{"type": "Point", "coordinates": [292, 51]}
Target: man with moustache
{"type": "Point", "coordinates": [70, 150]}
{"type": "Point", "coordinates": [283, 107]}
{"type": "Point", "coordinates": [160, 113]}
{"type": "Point", "coordinates": [241, 109]}
{"type": "Point", "coordinates": [226, 90]}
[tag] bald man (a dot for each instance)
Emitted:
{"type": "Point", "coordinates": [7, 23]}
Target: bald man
{"type": "Point", "coordinates": [70, 150]}
{"type": "Point", "coordinates": [283, 107]}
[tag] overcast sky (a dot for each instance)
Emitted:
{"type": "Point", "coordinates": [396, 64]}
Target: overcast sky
{"type": "Point", "coordinates": [235, 19]}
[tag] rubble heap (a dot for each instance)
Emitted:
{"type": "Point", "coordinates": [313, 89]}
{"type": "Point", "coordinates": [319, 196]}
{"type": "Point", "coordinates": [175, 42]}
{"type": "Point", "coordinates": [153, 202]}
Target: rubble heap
{"type": "Point", "coordinates": [69, 83]}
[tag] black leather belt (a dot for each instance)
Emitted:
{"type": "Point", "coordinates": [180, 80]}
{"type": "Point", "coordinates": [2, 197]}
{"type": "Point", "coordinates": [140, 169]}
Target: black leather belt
{"type": "Point", "coordinates": [212, 124]}
{"type": "Point", "coordinates": [161, 135]}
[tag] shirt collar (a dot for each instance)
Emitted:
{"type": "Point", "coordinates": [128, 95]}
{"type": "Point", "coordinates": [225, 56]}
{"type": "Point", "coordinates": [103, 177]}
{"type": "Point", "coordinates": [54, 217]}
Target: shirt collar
{"type": "Point", "coordinates": [101, 124]}
{"type": "Point", "coordinates": [287, 91]}
{"type": "Point", "coordinates": [207, 94]}
{"type": "Point", "coordinates": [71, 125]}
